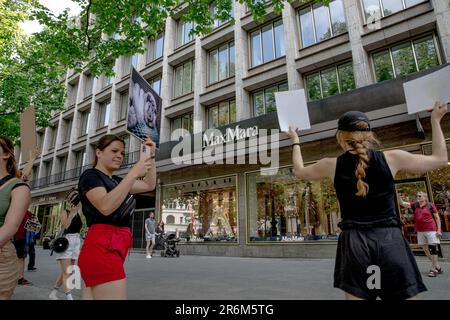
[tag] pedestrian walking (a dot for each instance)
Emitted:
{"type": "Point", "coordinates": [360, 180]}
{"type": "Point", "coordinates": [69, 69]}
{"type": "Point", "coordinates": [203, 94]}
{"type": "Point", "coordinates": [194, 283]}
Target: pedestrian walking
{"type": "Point", "coordinates": [107, 206]}
{"type": "Point", "coordinates": [150, 234]}
{"type": "Point", "coordinates": [14, 201]}
{"type": "Point", "coordinates": [72, 224]}
{"type": "Point", "coordinates": [371, 231]}
{"type": "Point", "coordinates": [427, 224]}
{"type": "Point", "coordinates": [20, 243]}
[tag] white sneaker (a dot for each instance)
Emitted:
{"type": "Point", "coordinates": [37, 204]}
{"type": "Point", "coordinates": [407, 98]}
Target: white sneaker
{"type": "Point", "coordinates": [53, 295]}
{"type": "Point", "coordinates": [69, 296]}
{"type": "Point", "coordinates": [148, 256]}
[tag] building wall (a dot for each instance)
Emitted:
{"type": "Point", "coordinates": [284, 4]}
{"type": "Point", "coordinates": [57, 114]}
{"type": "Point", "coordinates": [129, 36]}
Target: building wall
{"type": "Point", "coordinates": [356, 46]}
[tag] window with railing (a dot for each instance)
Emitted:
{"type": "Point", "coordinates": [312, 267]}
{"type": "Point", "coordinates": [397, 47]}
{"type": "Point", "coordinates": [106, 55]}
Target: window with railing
{"type": "Point", "coordinates": [319, 22]}
{"type": "Point", "coordinates": [221, 63]}
{"type": "Point", "coordinates": [406, 58]}
{"type": "Point", "coordinates": [267, 43]}
{"type": "Point", "coordinates": [330, 81]}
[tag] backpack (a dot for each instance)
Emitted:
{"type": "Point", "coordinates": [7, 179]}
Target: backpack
{"type": "Point", "coordinates": [430, 207]}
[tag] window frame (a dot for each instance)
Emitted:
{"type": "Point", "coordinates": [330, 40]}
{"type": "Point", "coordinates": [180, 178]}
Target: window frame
{"type": "Point", "coordinates": [180, 117]}
{"type": "Point", "coordinates": [319, 72]}
{"type": "Point", "coordinates": [151, 48]}
{"type": "Point", "coordinates": [104, 108]}
{"type": "Point", "coordinates": [228, 62]}
{"type": "Point", "coordinates": [263, 90]}
{"type": "Point", "coordinates": [217, 106]}
{"type": "Point", "coordinates": [411, 43]}
{"type": "Point", "coordinates": [259, 30]}
{"type": "Point", "coordinates": [313, 20]}
{"type": "Point", "coordinates": [192, 61]}
{"type": "Point", "coordinates": [381, 7]}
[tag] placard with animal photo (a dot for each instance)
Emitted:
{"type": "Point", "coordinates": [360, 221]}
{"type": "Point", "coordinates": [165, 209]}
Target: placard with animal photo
{"type": "Point", "coordinates": [144, 109]}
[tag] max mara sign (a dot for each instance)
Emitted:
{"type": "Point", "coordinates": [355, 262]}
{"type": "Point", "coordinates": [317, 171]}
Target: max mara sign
{"type": "Point", "coordinates": [236, 145]}
{"type": "Point", "coordinates": [211, 138]}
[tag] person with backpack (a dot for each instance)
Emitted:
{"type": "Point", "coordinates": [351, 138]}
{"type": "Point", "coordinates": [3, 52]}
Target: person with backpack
{"type": "Point", "coordinates": [427, 224]}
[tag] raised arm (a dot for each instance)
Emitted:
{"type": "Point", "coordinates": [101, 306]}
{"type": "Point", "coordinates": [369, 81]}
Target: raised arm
{"type": "Point", "coordinates": [149, 181]}
{"type": "Point", "coordinates": [324, 168]}
{"type": "Point", "coordinates": [402, 160]}
{"type": "Point", "coordinates": [26, 172]}
{"type": "Point", "coordinates": [109, 202]}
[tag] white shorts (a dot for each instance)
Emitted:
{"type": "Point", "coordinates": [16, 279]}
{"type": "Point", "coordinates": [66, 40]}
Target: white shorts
{"type": "Point", "coordinates": [428, 237]}
{"type": "Point", "coordinates": [150, 236]}
{"type": "Point", "coordinates": [73, 250]}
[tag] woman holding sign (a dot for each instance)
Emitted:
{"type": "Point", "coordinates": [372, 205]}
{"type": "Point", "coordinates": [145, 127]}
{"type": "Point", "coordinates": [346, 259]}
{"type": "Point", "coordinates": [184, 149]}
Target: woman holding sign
{"type": "Point", "coordinates": [373, 258]}
{"type": "Point", "coordinates": [14, 201]}
{"type": "Point", "coordinates": [108, 205]}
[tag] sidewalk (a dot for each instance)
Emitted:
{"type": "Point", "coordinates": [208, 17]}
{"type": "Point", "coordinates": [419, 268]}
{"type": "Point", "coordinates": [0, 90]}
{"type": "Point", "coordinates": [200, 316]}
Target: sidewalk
{"type": "Point", "coordinates": [222, 278]}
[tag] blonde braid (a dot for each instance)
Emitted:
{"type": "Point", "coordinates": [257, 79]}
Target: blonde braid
{"type": "Point", "coordinates": [363, 163]}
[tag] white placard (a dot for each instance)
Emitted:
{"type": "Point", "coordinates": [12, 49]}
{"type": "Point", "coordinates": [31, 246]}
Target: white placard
{"type": "Point", "coordinates": [423, 92]}
{"type": "Point", "coordinates": [292, 110]}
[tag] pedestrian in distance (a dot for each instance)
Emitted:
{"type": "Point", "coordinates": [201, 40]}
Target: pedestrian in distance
{"type": "Point", "coordinates": [371, 231]}
{"type": "Point", "coordinates": [72, 224]}
{"type": "Point", "coordinates": [150, 234]}
{"type": "Point", "coordinates": [15, 198]}
{"type": "Point", "coordinates": [107, 206]}
{"type": "Point", "coordinates": [427, 224]}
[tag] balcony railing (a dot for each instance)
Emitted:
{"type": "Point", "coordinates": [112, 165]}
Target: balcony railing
{"type": "Point", "coordinates": [74, 174]}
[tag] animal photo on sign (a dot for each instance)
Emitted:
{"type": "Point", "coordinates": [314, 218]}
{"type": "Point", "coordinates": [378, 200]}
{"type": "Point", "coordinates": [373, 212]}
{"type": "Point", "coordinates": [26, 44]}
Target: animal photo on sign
{"type": "Point", "coordinates": [144, 109]}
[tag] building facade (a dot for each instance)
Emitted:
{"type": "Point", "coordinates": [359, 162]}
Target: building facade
{"type": "Point", "coordinates": [342, 56]}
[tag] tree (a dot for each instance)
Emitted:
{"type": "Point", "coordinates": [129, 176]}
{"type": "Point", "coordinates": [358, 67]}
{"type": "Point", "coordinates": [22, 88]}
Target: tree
{"type": "Point", "coordinates": [31, 68]}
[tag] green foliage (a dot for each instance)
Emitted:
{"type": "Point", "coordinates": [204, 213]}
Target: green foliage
{"type": "Point", "coordinates": [32, 68]}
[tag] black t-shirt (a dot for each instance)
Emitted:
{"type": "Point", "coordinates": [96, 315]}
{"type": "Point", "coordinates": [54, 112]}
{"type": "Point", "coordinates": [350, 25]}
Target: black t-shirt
{"type": "Point", "coordinates": [75, 225]}
{"type": "Point", "coordinates": [90, 179]}
{"type": "Point", "coordinates": [377, 208]}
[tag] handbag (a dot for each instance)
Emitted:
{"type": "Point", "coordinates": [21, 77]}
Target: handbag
{"type": "Point", "coordinates": [122, 215]}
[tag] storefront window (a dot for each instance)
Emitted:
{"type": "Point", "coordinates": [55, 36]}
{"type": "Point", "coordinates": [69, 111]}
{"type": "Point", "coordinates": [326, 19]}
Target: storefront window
{"type": "Point", "coordinates": [282, 208]}
{"type": "Point", "coordinates": [201, 211]}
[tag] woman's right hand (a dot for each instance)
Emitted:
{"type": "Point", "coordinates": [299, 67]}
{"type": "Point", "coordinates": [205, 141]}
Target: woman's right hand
{"type": "Point", "coordinates": [141, 168]}
{"type": "Point", "coordinates": [292, 134]}
{"type": "Point", "coordinates": [439, 110]}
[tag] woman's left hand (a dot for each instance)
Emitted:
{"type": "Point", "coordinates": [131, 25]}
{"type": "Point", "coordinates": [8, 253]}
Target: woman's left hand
{"type": "Point", "coordinates": [292, 134]}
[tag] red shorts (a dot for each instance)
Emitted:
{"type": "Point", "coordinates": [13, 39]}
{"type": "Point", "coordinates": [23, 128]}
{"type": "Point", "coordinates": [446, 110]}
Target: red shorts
{"type": "Point", "coordinates": [103, 254]}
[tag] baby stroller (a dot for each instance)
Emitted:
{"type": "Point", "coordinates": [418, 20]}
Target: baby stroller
{"type": "Point", "coordinates": [170, 247]}
{"type": "Point", "coordinates": [159, 242]}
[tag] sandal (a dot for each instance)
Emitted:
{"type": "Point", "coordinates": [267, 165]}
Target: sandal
{"type": "Point", "coordinates": [432, 273]}
{"type": "Point", "coordinates": [439, 271]}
